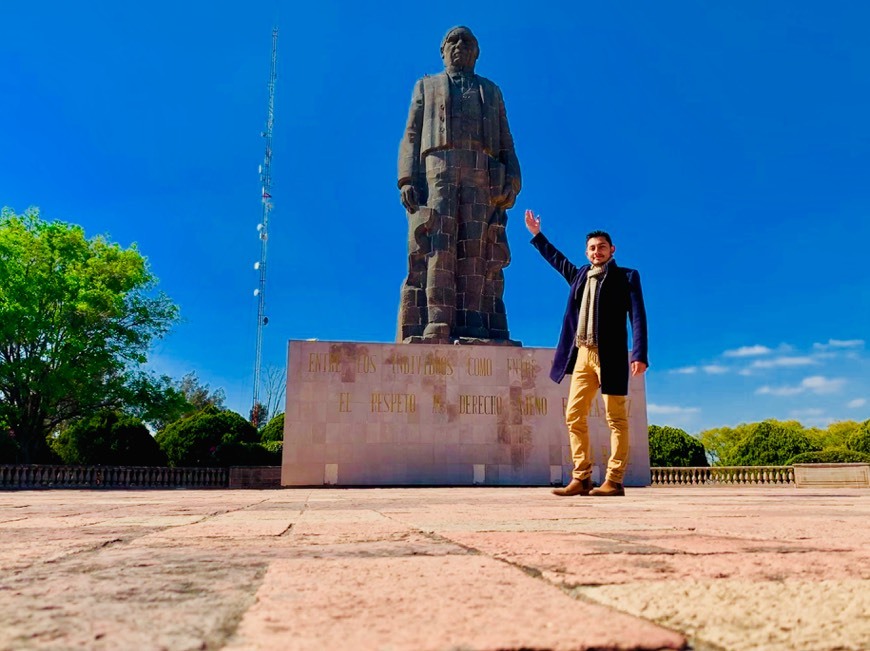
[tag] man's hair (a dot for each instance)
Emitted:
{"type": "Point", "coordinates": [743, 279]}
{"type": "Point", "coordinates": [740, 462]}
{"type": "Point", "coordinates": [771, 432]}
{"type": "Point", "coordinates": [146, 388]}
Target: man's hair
{"type": "Point", "coordinates": [603, 234]}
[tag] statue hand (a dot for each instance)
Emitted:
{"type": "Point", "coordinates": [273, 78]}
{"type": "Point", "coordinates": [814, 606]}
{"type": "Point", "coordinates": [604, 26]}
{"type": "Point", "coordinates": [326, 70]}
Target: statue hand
{"type": "Point", "coordinates": [409, 198]}
{"type": "Point", "coordinates": [507, 199]}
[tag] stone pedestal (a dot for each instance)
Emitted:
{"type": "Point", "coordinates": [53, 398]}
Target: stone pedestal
{"type": "Point", "coordinates": [368, 414]}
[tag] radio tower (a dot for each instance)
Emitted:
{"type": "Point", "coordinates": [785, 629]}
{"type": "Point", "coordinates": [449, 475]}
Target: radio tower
{"type": "Point", "coordinates": [263, 231]}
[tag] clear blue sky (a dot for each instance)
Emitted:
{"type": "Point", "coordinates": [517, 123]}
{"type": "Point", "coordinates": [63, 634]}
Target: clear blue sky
{"type": "Point", "coordinates": [725, 146]}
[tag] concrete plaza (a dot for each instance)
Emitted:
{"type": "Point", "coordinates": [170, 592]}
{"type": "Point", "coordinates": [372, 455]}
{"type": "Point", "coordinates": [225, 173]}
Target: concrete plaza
{"type": "Point", "coordinates": [399, 569]}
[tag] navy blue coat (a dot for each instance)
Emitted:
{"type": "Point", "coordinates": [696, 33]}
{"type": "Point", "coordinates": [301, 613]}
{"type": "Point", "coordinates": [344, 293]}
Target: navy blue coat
{"type": "Point", "coordinates": [620, 300]}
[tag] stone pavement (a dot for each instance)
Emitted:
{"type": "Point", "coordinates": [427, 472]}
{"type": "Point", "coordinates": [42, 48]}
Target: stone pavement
{"type": "Point", "coordinates": [395, 569]}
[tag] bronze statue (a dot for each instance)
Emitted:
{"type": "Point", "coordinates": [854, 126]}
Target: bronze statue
{"type": "Point", "coordinates": [458, 176]}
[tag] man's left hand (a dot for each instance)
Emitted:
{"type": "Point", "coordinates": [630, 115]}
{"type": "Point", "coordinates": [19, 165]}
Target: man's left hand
{"type": "Point", "coordinates": [638, 368]}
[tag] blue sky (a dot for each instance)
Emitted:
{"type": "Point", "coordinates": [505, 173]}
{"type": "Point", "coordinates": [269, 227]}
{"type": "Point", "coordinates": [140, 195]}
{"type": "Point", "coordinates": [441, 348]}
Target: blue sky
{"type": "Point", "coordinates": [725, 146]}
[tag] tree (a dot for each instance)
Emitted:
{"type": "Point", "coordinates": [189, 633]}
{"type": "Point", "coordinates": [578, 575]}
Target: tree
{"type": "Point", "coordinates": [771, 443]}
{"type": "Point", "coordinates": [859, 440]}
{"type": "Point", "coordinates": [77, 317]}
{"type": "Point", "coordinates": [195, 440]}
{"type": "Point", "coordinates": [670, 447]}
{"type": "Point", "coordinates": [720, 442]}
{"type": "Point", "coordinates": [199, 395]}
{"type": "Point", "coordinates": [108, 438]}
{"type": "Point", "coordinates": [274, 429]}
{"type": "Point", "coordinates": [836, 434]}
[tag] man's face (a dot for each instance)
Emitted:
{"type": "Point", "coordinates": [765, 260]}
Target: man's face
{"type": "Point", "coordinates": [599, 250]}
{"type": "Point", "coordinates": [459, 51]}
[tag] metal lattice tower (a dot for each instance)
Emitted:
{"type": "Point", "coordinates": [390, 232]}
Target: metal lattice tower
{"type": "Point", "coordinates": [263, 230]}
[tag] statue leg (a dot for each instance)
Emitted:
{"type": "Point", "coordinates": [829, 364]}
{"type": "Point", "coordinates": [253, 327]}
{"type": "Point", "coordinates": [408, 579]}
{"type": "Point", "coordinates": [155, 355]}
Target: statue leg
{"type": "Point", "coordinates": [498, 257]}
{"type": "Point", "coordinates": [441, 258]}
{"type": "Point", "coordinates": [474, 211]}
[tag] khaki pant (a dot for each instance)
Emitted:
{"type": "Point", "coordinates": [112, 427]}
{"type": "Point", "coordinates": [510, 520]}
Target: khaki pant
{"type": "Point", "coordinates": [585, 382]}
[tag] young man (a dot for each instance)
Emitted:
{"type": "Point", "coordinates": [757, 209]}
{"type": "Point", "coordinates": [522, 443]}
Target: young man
{"type": "Point", "coordinates": [593, 349]}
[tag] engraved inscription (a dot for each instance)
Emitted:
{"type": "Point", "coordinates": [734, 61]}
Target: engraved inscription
{"type": "Point", "coordinates": [484, 405]}
{"type": "Point", "coordinates": [527, 368]}
{"type": "Point", "coordinates": [344, 402]}
{"type": "Point", "coordinates": [365, 364]}
{"type": "Point", "coordinates": [421, 365]}
{"type": "Point", "coordinates": [324, 363]}
{"type": "Point", "coordinates": [479, 366]}
{"type": "Point", "coordinates": [394, 403]}
{"type": "Point", "coordinates": [534, 406]}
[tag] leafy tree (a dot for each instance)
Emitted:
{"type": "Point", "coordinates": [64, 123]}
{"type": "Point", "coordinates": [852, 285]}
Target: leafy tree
{"type": "Point", "coordinates": [831, 455]}
{"type": "Point", "coordinates": [274, 429]}
{"type": "Point", "coordinates": [720, 442]}
{"type": "Point", "coordinates": [198, 395]}
{"type": "Point", "coordinates": [859, 440]}
{"type": "Point", "coordinates": [108, 438]}
{"type": "Point", "coordinates": [771, 443]}
{"type": "Point", "coordinates": [76, 320]}
{"type": "Point", "coordinates": [671, 447]}
{"type": "Point", "coordinates": [194, 440]}
{"type": "Point", "coordinates": [835, 435]}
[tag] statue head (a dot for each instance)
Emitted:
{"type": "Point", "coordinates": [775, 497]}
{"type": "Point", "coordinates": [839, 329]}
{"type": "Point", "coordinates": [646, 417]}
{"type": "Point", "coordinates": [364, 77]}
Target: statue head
{"type": "Point", "coordinates": [459, 49]}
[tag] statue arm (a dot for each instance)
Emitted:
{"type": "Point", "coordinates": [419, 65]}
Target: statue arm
{"type": "Point", "coordinates": [507, 153]}
{"type": "Point", "coordinates": [409, 147]}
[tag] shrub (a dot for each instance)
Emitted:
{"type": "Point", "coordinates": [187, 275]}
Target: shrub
{"type": "Point", "coordinates": [108, 438]}
{"type": "Point", "coordinates": [274, 429]}
{"type": "Point", "coordinates": [859, 441]}
{"type": "Point", "coordinates": [246, 454]}
{"type": "Point", "coordinates": [770, 443]}
{"type": "Point", "coordinates": [671, 447]}
{"type": "Point", "coordinates": [194, 440]}
{"type": "Point", "coordinates": [831, 455]}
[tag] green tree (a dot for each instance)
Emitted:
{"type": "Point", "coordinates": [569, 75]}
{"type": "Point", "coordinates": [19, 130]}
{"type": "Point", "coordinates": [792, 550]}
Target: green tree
{"type": "Point", "coordinates": [835, 435]}
{"type": "Point", "coordinates": [671, 447]}
{"type": "Point", "coordinates": [195, 440]}
{"type": "Point", "coordinates": [108, 438]}
{"type": "Point", "coordinates": [771, 443]}
{"type": "Point", "coordinates": [859, 440]}
{"type": "Point", "coordinates": [720, 442]}
{"type": "Point", "coordinates": [77, 317]}
{"type": "Point", "coordinates": [274, 429]}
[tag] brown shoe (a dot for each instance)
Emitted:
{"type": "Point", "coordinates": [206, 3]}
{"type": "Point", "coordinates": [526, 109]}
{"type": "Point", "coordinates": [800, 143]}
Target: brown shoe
{"type": "Point", "coordinates": [576, 487]}
{"type": "Point", "coordinates": [608, 489]}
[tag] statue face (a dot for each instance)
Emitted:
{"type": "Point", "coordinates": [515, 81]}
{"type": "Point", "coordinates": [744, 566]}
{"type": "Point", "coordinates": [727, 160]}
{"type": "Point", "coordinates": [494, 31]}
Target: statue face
{"type": "Point", "coordinates": [459, 51]}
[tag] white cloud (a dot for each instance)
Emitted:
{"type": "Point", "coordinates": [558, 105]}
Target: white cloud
{"type": "Point", "coordinates": [840, 343]}
{"type": "Point", "coordinates": [778, 391]}
{"type": "Point", "coordinates": [819, 384]}
{"type": "Point", "coordinates": [714, 369]}
{"type": "Point", "coordinates": [857, 402]}
{"type": "Point", "coordinates": [783, 361]}
{"type": "Point", "coordinates": [744, 371]}
{"type": "Point", "coordinates": [748, 351]}
{"type": "Point", "coordinates": [670, 409]}
{"type": "Point", "coordinates": [686, 370]}
{"type": "Point", "coordinates": [814, 383]}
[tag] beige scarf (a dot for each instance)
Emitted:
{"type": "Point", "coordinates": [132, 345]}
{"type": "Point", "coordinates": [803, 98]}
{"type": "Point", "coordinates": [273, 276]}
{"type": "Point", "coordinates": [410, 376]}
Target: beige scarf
{"type": "Point", "coordinates": [587, 326]}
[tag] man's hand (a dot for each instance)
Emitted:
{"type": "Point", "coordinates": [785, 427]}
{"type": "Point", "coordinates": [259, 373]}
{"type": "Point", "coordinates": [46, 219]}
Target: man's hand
{"type": "Point", "coordinates": [534, 224]}
{"type": "Point", "coordinates": [638, 368]}
{"type": "Point", "coordinates": [409, 198]}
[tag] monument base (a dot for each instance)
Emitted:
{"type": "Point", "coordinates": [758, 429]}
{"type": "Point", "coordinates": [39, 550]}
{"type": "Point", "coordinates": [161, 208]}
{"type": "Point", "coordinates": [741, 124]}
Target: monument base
{"type": "Point", "coordinates": [367, 414]}
{"type": "Point", "coordinates": [461, 341]}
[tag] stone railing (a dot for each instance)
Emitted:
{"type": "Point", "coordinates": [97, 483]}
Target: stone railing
{"type": "Point", "coordinates": [723, 476]}
{"type": "Point", "coordinates": [45, 476]}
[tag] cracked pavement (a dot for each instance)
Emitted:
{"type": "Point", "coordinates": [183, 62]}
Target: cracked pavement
{"type": "Point", "coordinates": [711, 569]}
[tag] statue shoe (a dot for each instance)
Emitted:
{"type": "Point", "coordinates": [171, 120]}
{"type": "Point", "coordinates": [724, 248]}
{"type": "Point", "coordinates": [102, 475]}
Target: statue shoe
{"type": "Point", "coordinates": [576, 487]}
{"type": "Point", "coordinates": [437, 331]}
{"type": "Point", "coordinates": [608, 489]}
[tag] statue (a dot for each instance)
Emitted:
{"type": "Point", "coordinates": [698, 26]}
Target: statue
{"type": "Point", "coordinates": [458, 176]}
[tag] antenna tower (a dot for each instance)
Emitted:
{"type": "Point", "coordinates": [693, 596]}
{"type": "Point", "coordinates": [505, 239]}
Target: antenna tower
{"type": "Point", "coordinates": [263, 230]}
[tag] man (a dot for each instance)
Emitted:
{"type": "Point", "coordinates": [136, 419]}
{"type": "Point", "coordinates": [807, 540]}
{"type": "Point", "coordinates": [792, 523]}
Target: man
{"type": "Point", "coordinates": [593, 349]}
{"type": "Point", "coordinates": [458, 174]}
